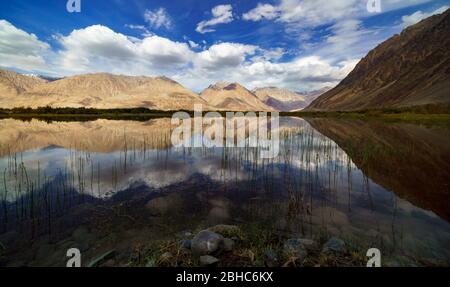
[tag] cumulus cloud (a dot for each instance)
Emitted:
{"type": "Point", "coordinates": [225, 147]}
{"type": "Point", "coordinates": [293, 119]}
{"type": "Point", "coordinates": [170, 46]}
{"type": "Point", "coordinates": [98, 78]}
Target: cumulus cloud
{"type": "Point", "coordinates": [20, 49]}
{"type": "Point", "coordinates": [158, 18]}
{"type": "Point", "coordinates": [416, 17]}
{"type": "Point", "coordinates": [224, 55]}
{"type": "Point", "coordinates": [100, 48]}
{"type": "Point", "coordinates": [221, 14]}
{"type": "Point", "coordinates": [303, 73]}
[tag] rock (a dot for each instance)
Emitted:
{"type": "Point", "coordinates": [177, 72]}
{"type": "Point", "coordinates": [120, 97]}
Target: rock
{"type": "Point", "coordinates": [226, 230]}
{"type": "Point", "coordinates": [102, 258]}
{"type": "Point", "coordinates": [206, 242]}
{"type": "Point", "coordinates": [333, 245]}
{"type": "Point", "coordinates": [228, 244]}
{"type": "Point", "coordinates": [294, 247]}
{"type": "Point", "coordinates": [185, 243]}
{"type": "Point", "coordinates": [206, 260]}
{"type": "Point", "coordinates": [271, 258]}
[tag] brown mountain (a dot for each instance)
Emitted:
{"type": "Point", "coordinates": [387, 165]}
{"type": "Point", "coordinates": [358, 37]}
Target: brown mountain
{"type": "Point", "coordinates": [281, 99]}
{"type": "Point", "coordinates": [233, 97]}
{"type": "Point", "coordinates": [409, 69]}
{"type": "Point", "coordinates": [97, 91]}
{"type": "Point", "coordinates": [13, 84]}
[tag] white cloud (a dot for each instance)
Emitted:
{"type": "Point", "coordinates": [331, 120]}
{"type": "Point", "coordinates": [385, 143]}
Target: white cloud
{"type": "Point", "coordinates": [221, 14]}
{"type": "Point", "coordinates": [158, 18]}
{"type": "Point", "coordinates": [416, 17]}
{"type": "Point", "coordinates": [224, 55]}
{"type": "Point", "coordinates": [311, 13]}
{"type": "Point", "coordinates": [306, 12]}
{"type": "Point", "coordinates": [303, 73]}
{"type": "Point", "coordinates": [98, 48]}
{"type": "Point", "coordinates": [261, 11]}
{"type": "Point", "coordinates": [20, 49]}
{"type": "Point", "coordinates": [162, 51]}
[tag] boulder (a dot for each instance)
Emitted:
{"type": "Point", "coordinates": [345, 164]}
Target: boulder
{"type": "Point", "coordinates": [185, 243]}
{"type": "Point", "coordinates": [207, 242]}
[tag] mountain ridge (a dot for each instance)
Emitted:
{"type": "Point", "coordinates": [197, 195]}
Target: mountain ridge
{"type": "Point", "coordinates": [409, 69]}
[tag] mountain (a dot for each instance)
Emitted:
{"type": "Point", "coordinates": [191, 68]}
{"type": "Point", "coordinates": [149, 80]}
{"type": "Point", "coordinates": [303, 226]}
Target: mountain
{"type": "Point", "coordinates": [233, 97]}
{"type": "Point", "coordinates": [281, 99]}
{"type": "Point", "coordinates": [409, 69]}
{"type": "Point", "coordinates": [100, 90]}
{"type": "Point", "coordinates": [312, 95]}
{"type": "Point", "coordinates": [13, 84]}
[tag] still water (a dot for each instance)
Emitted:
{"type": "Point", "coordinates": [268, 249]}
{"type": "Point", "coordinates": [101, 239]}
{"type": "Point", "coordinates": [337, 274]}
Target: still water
{"type": "Point", "coordinates": [106, 184]}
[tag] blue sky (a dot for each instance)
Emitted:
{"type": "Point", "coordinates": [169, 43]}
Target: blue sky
{"type": "Point", "coordinates": [297, 44]}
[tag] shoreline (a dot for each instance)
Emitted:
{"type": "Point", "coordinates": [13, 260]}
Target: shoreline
{"type": "Point", "coordinates": [428, 113]}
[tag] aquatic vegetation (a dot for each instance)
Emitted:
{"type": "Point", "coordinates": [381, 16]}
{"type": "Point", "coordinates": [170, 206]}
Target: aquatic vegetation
{"type": "Point", "coordinates": [133, 190]}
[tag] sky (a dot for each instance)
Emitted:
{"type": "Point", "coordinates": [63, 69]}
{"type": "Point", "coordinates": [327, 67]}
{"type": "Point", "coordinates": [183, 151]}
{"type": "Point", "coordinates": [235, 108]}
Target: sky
{"type": "Point", "coordinates": [301, 45]}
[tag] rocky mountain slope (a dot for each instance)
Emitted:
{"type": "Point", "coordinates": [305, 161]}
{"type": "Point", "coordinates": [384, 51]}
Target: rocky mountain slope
{"type": "Point", "coordinates": [233, 97]}
{"type": "Point", "coordinates": [13, 84]}
{"type": "Point", "coordinates": [409, 69]}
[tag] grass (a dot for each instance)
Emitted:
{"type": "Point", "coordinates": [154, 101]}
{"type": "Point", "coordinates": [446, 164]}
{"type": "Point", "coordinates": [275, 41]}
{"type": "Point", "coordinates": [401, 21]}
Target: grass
{"type": "Point", "coordinates": [253, 242]}
{"type": "Point", "coordinates": [429, 113]}
{"type": "Point", "coordinates": [424, 113]}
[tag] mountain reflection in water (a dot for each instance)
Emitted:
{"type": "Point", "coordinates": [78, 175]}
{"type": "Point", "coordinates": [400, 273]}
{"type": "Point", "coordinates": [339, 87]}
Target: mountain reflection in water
{"type": "Point", "coordinates": [386, 184]}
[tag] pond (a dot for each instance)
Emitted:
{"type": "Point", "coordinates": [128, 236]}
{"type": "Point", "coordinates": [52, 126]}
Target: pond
{"type": "Point", "coordinates": [114, 184]}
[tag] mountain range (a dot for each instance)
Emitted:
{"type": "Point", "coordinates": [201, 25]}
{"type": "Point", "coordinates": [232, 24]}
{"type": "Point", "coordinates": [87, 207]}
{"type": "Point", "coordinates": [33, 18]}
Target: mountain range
{"type": "Point", "coordinates": [104, 91]}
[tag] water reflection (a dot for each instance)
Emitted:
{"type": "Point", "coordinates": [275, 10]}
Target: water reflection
{"type": "Point", "coordinates": [353, 179]}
